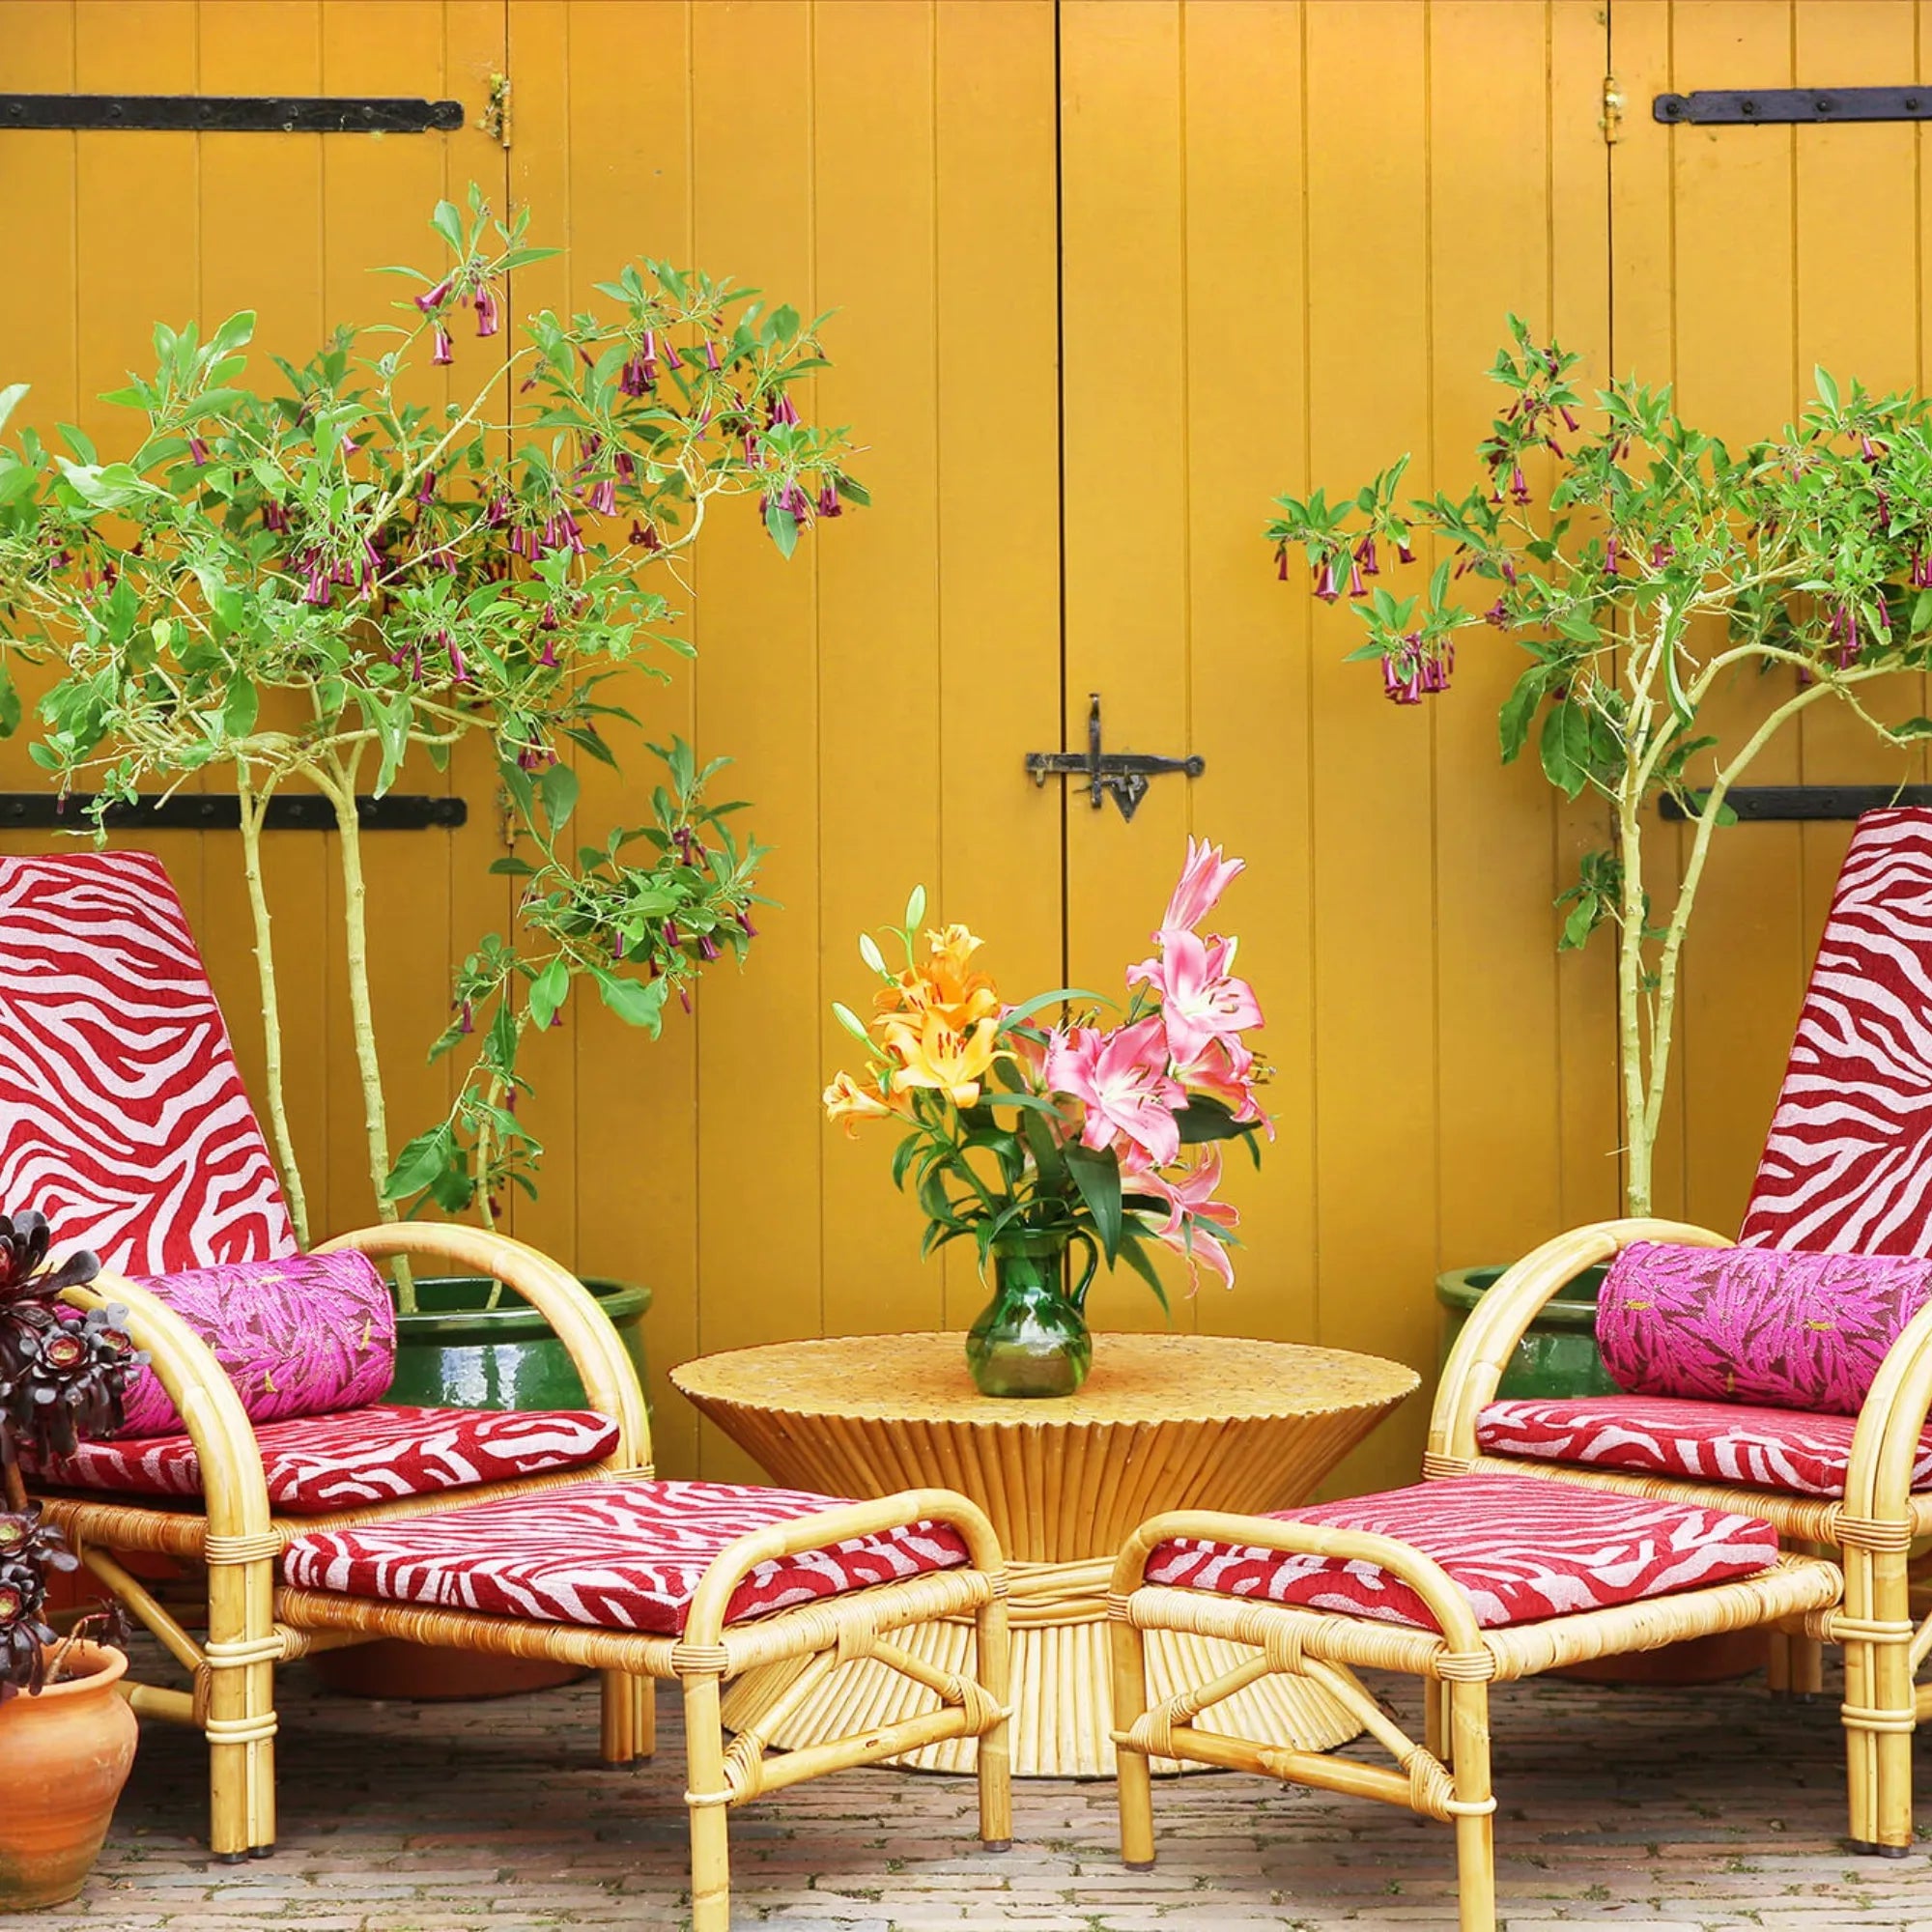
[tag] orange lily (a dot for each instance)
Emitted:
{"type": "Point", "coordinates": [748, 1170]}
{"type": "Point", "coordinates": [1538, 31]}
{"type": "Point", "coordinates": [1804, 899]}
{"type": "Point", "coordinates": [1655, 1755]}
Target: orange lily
{"type": "Point", "coordinates": [948, 1060]}
{"type": "Point", "coordinates": [847, 1101]}
{"type": "Point", "coordinates": [946, 986]}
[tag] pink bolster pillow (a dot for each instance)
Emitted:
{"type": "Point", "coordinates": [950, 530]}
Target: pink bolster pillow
{"type": "Point", "coordinates": [1790, 1330]}
{"type": "Point", "coordinates": [308, 1335]}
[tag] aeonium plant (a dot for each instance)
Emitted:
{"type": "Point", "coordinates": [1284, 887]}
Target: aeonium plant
{"type": "Point", "coordinates": [1105, 1135]}
{"type": "Point", "coordinates": [63, 1376]}
{"type": "Point", "coordinates": [319, 581]}
{"type": "Point", "coordinates": [1640, 566]}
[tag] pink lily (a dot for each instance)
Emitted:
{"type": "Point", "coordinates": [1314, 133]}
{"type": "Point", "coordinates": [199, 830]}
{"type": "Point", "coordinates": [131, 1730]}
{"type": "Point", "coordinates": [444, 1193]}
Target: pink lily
{"type": "Point", "coordinates": [1191, 1203]}
{"type": "Point", "coordinates": [1224, 1071]}
{"type": "Point", "coordinates": [1121, 1079]}
{"type": "Point", "coordinates": [1203, 878]}
{"type": "Point", "coordinates": [1200, 998]}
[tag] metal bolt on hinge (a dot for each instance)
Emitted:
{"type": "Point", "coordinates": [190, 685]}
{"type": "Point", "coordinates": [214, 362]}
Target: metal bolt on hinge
{"type": "Point", "coordinates": [1612, 121]}
{"type": "Point", "coordinates": [495, 120]}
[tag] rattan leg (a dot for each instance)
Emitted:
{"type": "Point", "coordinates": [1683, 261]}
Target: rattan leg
{"type": "Point", "coordinates": [617, 1737]}
{"type": "Point", "coordinates": [1778, 1662]}
{"type": "Point", "coordinates": [1807, 1666]}
{"type": "Point", "coordinates": [993, 1761]}
{"type": "Point", "coordinates": [707, 1794]}
{"type": "Point", "coordinates": [1133, 1774]}
{"type": "Point", "coordinates": [241, 1706]}
{"type": "Point", "coordinates": [1475, 1806]}
{"type": "Point", "coordinates": [644, 1695]}
{"type": "Point", "coordinates": [1438, 1734]}
{"type": "Point", "coordinates": [1892, 1686]}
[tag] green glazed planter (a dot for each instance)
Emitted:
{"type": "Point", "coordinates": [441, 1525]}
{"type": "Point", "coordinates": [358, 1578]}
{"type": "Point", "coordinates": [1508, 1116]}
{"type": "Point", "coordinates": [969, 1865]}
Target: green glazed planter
{"type": "Point", "coordinates": [456, 1351]}
{"type": "Point", "coordinates": [1558, 1354]}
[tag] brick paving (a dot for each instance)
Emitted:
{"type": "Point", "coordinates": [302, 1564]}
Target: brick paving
{"type": "Point", "coordinates": [1715, 1809]}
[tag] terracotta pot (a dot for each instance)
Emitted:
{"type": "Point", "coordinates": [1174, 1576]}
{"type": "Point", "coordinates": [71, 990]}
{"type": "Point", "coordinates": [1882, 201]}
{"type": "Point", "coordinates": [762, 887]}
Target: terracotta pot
{"type": "Point", "coordinates": [414, 1673]}
{"type": "Point", "coordinates": [64, 1757]}
{"type": "Point", "coordinates": [1698, 1659]}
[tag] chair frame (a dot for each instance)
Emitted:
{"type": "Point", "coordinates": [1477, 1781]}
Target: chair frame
{"type": "Point", "coordinates": [1869, 1530]}
{"type": "Point", "coordinates": [1447, 1776]}
{"type": "Point", "coordinates": [253, 1624]}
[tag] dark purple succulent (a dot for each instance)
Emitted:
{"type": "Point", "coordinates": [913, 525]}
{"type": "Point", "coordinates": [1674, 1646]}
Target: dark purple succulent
{"type": "Point", "coordinates": [61, 1372]}
{"type": "Point", "coordinates": [28, 1552]}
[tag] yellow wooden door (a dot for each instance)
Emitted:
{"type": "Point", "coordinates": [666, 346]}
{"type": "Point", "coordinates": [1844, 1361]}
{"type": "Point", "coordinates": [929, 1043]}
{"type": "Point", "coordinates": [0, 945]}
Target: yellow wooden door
{"type": "Point", "coordinates": [1292, 232]}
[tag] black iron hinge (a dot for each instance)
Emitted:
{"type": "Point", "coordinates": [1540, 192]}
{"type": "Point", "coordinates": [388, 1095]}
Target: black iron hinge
{"type": "Point", "coordinates": [229, 114]}
{"type": "Point", "coordinates": [1774, 803]}
{"type": "Point", "coordinates": [1782, 107]}
{"type": "Point", "coordinates": [219, 811]}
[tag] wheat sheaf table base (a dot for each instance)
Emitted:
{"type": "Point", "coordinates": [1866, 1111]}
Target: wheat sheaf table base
{"type": "Point", "coordinates": [1165, 1422]}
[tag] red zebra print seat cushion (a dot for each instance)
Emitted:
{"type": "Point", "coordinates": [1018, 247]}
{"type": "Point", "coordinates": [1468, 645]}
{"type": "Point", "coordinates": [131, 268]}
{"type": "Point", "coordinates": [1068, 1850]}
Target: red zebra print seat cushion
{"type": "Point", "coordinates": [1709, 1441]}
{"type": "Point", "coordinates": [315, 1464]}
{"type": "Point", "coordinates": [123, 1117]}
{"type": "Point", "coordinates": [619, 1555]}
{"type": "Point", "coordinates": [1848, 1163]}
{"type": "Point", "coordinates": [1519, 1550]}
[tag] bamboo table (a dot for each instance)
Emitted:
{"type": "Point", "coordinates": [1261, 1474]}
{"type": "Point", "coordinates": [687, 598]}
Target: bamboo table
{"type": "Point", "coordinates": [1165, 1422]}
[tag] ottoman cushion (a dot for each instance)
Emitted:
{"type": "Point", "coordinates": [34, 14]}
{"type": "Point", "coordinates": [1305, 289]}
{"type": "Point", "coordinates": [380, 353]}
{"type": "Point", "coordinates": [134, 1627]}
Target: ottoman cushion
{"type": "Point", "coordinates": [1712, 1441]}
{"type": "Point", "coordinates": [1521, 1550]}
{"type": "Point", "coordinates": [315, 1464]}
{"type": "Point", "coordinates": [621, 1555]}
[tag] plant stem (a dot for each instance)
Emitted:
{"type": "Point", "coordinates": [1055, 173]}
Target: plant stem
{"type": "Point", "coordinates": [254, 805]}
{"type": "Point", "coordinates": [339, 787]}
{"type": "Point", "coordinates": [1638, 1131]}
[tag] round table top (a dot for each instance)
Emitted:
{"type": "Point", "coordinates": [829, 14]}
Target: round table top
{"type": "Point", "coordinates": [1135, 1379]}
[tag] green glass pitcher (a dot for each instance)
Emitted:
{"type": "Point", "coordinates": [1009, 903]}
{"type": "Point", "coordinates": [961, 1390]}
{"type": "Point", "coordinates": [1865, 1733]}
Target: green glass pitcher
{"type": "Point", "coordinates": [1032, 1339]}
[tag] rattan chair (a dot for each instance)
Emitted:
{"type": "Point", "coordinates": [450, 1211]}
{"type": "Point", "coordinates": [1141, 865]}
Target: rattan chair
{"type": "Point", "coordinates": [1846, 1172]}
{"type": "Point", "coordinates": [123, 1118]}
{"type": "Point", "coordinates": [906, 1559]}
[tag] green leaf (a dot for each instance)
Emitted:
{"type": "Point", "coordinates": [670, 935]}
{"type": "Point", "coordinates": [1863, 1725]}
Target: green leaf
{"type": "Point", "coordinates": [238, 712]}
{"type": "Point", "coordinates": [1580, 924]}
{"type": "Point", "coordinates": [1026, 1009]}
{"type": "Point", "coordinates": [1137, 1258]}
{"type": "Point", "coordinates": [637, 1002]}
{"type": "Point", "coordinates": [421, 1162]}
{"type": "Point", "coordinates": [1097, 1177]}
{"type": "Point", "coordinates": [9, 400]}
{"type": "Point", "coordinates": [558, 792]}
{"type": "Point", "coordinates": [548, 991]}
{"type": "Point", "coordinates": [9, 704]}
{"type": "Point", "coordinates": [1206, 1120]}
{"type": "Point", "coordinates": [448, 224]}
{"type": "Point", "coordinates": [1518, 709]}
{"type": "Point", "coordinates": [1828, 390]}
{"type": "Point", "coordinates": [782, 526]}
{"type": "Point", "coordinates": [1565, 748]}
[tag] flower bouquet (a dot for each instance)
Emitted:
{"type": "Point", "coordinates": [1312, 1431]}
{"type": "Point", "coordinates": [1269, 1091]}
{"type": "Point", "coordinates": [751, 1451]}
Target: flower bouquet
{"type": "Point", "coordinates": [1035, 1139]}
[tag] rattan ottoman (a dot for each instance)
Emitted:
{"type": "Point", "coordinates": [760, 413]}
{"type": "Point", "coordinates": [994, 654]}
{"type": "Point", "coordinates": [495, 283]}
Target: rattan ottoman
{"type": "Point", "coordinates": [1461, 1582]}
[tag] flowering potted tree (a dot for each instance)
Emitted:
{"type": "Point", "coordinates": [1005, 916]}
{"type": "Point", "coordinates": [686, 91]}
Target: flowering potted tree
{"type": "Point", "coordinates": [1658, 567]}
{"type": "Point", "coordinates": [1034, 1140]}
{"type": "Point", "coordinates": [317, 583]}
{"type": "Point", "coordinates": [66, 1740]}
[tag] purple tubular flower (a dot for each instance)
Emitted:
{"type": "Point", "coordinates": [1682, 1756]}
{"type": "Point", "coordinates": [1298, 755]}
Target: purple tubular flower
{"type": "Point", "coordinates": [549, 658]}
{"type": "Point", "coordinates": [1357, 587]}
{"type": "Point", "coordinates": [197, 450]}
{"type": "Point", "coordinates": [744, 921]}
{"type": "Point", "coordinates": [441, 357]}
{"type": "Point", "coordinates": [498, 510]}
{"type": "Point", "coordinates": [708, 947]}
{"type": "Point", "coordinates": [751, 448]}
{"type": "Point", "coordinates": [487, 316]}
{"type": "Point", "coordinates": [684, 998]}
{"type": "Point", "coordinates": [1324, 583]}
{"type": "Point", "coordinates": [549, 620]}
{"type": "Point", "coordinates": [672, 358]}
{"type": "Point", "coordinates": [1497, 614]}
{"type": "Point", "coordinates": [1519, 489]}
{"type": "Point", "coordinates": [1568, 417]}
{"type": "Point", "coordinates": [711, 361]}
{"type": "Point", "coordinates": [434, 299]}
{"type": "Point", "coordinates": [427, 492]}
{"type": "Point", "coordinates": [625, 465]}
{"type": "Point", "coordinates": [669, 931]}
{"type": "Point", "coordinates": [829, 504]}
{"type": "Point", "coordinates": [469, 1022]}
{"type": "Point", "coordinates": [274, 516]}
{"type": "Point", "coordinates": [602, 497]}
{"type": "Point", "coordinates": [1404, 555]}
{"type": "Point", "coordinates": [1613, 557]}
{"type": "Point", "coordinates": [1281, 569]}
{"type": "Point", "coordinates": [781, 409]}
{"type": "Point", "coordinates": [1365, 556]}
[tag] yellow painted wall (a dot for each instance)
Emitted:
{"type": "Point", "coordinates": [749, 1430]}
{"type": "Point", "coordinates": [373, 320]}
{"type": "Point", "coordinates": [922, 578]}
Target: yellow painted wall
{"type": "Point", "coordinates": [1108, 275]}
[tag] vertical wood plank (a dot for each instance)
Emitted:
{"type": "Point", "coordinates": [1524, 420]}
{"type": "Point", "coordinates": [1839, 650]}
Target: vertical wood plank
{"type": "Point", "coordinates": [997, 540]}
{"type": "Point", "coordinates": [1370, 762]}
{"type": "Point", "coordinates": [878, 603]}
{"type": "Point", "coordinates": [1125, 514]}
{"type": "Point", "coordinates": [759, 1138]}
{"type": "Point", "coordinates": [1247, 396]}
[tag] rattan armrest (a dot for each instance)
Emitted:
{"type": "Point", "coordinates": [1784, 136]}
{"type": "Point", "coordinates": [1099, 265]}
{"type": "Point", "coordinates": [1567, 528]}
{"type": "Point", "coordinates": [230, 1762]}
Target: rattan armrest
{"type": "Point", "coordinates": [234, 1491]}
{"type": "Point", "coordinates": [1427, 1577]}
{"type": "Point", "coordinates": [608, 1375]}
{"type": "Point", "coordinates": [706, 1623]}
{"type": "Point", "coordinates": [1489, 1339]}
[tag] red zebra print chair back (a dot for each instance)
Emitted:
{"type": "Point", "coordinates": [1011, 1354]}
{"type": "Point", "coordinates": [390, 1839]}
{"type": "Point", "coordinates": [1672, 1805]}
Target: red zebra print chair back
{"type": "Point", "coordinates": [123, 1116]}
{"type": "Point", "coordinates": [1848, 1164]}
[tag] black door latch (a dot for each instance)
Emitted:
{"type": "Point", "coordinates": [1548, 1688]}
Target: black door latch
{"type": "Point", "coordinates": [1122, 774]}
